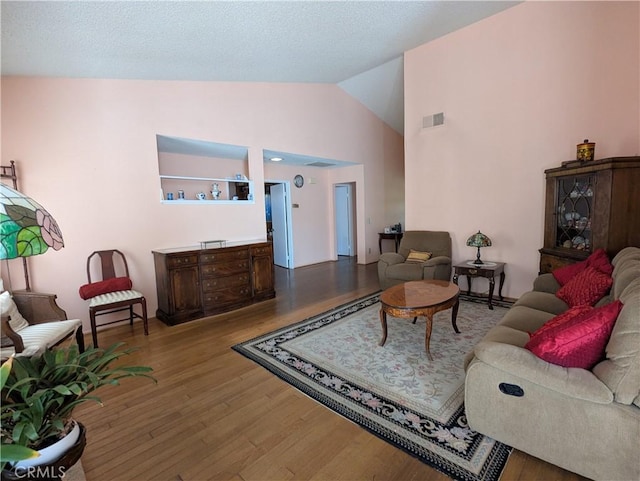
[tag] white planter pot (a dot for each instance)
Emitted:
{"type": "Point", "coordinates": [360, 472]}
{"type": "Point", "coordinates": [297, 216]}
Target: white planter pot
{"type": "Point", "coordinates": [53, 452]}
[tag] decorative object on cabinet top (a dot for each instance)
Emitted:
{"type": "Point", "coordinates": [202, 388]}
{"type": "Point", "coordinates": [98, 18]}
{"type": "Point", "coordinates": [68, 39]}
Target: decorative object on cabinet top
{"type": "Point", "coordinates": [585, 151]}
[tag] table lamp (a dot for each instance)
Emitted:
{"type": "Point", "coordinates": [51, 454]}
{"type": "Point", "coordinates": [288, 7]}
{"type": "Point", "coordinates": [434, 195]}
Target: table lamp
{"type": "Point", "coordinates": [478, 240]}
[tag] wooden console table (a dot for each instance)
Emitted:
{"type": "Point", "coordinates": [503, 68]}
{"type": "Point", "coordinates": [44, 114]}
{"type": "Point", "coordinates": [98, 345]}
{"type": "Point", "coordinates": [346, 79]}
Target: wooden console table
{"type": "Point", "coordinates": [395, 236]}
{"type": "Point", "coordinates": [196, 282]}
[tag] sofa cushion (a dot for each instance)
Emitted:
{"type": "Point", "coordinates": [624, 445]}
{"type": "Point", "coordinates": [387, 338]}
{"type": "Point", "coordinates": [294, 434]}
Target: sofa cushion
{"type": "Point", "coordinates": [621, 369]}
{"type": "Point", "coordinates": [629, 272]}
{"type": "Point", "coordinates": [542, 301]}
{"type": "Point", "coordinates": [526, 319]}
{"type": "Point", "coordinates": [418, 256]}
{"type": "Point", "coordinates": [587, 287]}
{"type": "Point", "coordinates": [579, 341]}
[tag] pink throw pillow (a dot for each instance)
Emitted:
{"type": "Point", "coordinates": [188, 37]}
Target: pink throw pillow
{"type": "Point", "coordinates": [104, 287]}
{"type": "Point", "coordinates": [586, 288]}
{"type": "Point", "coordinates": [580, 342]}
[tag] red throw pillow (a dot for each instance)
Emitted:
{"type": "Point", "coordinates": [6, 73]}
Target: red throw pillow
{"type": "Point", "coordinates": [586, 288]}
{"type": "Point", "coordinates": [600, 260]}
{"type": "Point", "coordinates": [104, 287]}
{"type": "Point", "coordinates": [566, 273]}
{"type": "Point", "coordinates": [560, 319]}
{"type": "Point", "coordinates": [597, 259]}
{"type": "Point", "coordinates": [580, 342]}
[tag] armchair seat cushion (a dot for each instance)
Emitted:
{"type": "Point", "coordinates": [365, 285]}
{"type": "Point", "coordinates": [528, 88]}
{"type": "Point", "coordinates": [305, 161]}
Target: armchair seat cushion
{"type": "Point", "coordinates": [407, 271]}
{"type": "Point", "coordinates": [39, 337]}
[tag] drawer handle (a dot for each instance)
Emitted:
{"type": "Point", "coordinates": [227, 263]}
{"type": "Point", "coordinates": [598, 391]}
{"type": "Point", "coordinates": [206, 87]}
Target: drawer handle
{"type": "Point", "coordinates": [473, 272]}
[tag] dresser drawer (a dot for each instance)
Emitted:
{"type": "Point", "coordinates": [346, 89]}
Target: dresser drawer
{"type": "Point", "coordinates": [215, 257]}
{"type": "Point", "coordinates": [211, 300]}
{"type": "Point", "coordinates": [224, 269]}
{"type": "Point", "coordinates": [261, 251]}
{"type": "Point", "coordinates": [217, 283]}
{"type": "Point", "coordinates": [183, 260]}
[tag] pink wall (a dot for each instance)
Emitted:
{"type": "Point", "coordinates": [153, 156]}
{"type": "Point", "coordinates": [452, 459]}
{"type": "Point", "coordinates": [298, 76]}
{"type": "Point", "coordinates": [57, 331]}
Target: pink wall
{"type": "Point", "coordinates": [86, 150]}
{"type": "Point", "coordinates": [519, 90]}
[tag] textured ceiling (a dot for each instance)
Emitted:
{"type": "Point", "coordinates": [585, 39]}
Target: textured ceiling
{"type": "Point", "coordinates": [356, 44]}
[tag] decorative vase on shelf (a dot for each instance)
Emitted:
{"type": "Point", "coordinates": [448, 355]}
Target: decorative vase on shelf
{"type": "Point", "coordinates": [215, 192]}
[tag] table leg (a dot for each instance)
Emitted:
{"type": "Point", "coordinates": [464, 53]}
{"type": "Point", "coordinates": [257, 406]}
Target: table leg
{"type": "Point", "coordinates": [380, 244]}
{"type": "Point", "coordinates": [455, 278]}
{"type": "Point", "coordinates": [454, 316]}
{"type": "Point", "coordinates": [492, 284]}
{"type": "Point", "coordinates": [469, 285]}
{"type": "Point", "coordinates": [427, 337]}
{"type": "Point", "coordinates": [501, 284]}
{"type": "Point", "coordinates": [383, 321]}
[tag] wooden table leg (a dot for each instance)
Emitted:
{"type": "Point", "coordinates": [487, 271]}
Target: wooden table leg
{"type": "Point", "coordinates": [501, 284]}
{"type": "Point", "coordinates": [454, 316]}
{"type": "Point", "coordinates": [427, 337]}
{"type": "Point", "coordinates": [492, 285]}
{"type": "Point", "coordinates": [383, 321]}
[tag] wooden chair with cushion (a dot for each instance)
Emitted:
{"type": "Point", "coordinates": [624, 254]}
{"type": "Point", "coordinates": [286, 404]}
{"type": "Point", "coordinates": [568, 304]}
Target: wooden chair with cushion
{"type": "Point", "coordinates": [113, 293]}
{"type": "Point", "coordinates": [421, 255]}
{"type": "Point", "coordinates": [33, 322]}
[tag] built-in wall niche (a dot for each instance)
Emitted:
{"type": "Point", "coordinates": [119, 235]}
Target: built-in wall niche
{"type": "Point", "coordinates": [198, 171]}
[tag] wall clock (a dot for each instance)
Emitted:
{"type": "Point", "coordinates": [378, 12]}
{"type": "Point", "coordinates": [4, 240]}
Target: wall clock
{"type": "Point", "coordinates": [298, 181]}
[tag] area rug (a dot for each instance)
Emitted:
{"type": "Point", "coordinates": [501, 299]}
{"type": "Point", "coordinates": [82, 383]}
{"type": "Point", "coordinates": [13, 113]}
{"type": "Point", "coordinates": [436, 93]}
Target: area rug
{"type": "Point", "coordinates": [393, 391]}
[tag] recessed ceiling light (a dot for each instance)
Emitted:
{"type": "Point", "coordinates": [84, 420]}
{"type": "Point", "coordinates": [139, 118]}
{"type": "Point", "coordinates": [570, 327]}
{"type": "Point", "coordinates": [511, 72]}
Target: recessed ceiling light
{"type": "Point", "coordinates": [275, 159]}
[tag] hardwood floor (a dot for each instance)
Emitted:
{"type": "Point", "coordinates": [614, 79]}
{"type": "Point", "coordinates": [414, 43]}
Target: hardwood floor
{"type": "Point", "coordinates": [215, 415]}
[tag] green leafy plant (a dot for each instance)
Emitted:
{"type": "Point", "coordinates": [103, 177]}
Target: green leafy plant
{"type": "Point", "coordinates": [12, 452]}
{"type": "Point", "coordinates": [41, 392]}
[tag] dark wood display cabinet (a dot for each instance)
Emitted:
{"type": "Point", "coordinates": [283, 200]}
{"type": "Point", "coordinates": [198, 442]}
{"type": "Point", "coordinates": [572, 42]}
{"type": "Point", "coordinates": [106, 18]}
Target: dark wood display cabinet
{"type": "Point", "coordinates": [590, 205]}
{"type": "Point", "coordinates": [194, 283]}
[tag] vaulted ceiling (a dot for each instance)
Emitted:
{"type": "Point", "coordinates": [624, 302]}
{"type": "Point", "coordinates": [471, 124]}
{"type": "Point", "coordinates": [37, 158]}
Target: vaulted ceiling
{"type": "Point", "coordinates": [355, 44]}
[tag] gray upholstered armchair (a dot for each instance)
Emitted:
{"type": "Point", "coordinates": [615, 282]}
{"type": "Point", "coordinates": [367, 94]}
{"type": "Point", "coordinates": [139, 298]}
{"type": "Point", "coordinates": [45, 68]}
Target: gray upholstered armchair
{"type": "Point", "coordinates": [393, 268]}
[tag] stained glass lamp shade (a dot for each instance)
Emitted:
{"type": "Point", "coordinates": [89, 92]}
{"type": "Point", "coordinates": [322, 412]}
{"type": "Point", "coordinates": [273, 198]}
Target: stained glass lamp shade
{"type": "Point", "coordinates": [26, 228]}
{"type": "Point", "coordinates": [478, 240]}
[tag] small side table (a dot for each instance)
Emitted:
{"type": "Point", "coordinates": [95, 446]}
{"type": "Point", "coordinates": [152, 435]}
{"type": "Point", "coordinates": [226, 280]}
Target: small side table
{"type": "Point", "coordinates": [395, 236]}
{"type": "Point", "coordinates": [488, 270]}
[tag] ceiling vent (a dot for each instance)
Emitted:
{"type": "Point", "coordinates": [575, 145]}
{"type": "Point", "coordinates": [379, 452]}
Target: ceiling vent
{"type": "Point", "coordinates": [320, 164]}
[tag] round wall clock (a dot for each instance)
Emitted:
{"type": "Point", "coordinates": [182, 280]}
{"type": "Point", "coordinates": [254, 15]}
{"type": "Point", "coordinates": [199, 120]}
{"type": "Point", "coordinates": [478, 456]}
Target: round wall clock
{"type": "Point", "coordinates": [298, 181]}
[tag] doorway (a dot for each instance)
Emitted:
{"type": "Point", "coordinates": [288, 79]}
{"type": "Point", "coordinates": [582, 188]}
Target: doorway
{"type": "Point", "coordinates": [344, 210]}
{"type": "Point", "coordinates": [278, 218]}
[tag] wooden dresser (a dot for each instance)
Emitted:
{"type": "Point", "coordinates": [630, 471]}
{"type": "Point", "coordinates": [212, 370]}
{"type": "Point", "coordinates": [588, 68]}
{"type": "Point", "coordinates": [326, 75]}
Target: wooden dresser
{"type": "Point", "coordinates": [192, 283]}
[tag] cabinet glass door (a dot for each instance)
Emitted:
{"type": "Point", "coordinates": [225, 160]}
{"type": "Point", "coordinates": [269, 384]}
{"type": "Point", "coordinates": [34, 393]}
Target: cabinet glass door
{"type": "Point", "coordinates": [574, 208]}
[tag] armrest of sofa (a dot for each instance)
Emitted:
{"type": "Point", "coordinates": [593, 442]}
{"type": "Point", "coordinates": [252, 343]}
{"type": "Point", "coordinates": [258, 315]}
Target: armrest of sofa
{"type": "Point", "coordinates": [37, 307]}
{"type": "Point", "coordinates": [437, 261]}
{"type": "Point", "coordinates": [571, 382]}
{"type": "Point", "coordinates": [546, 283]}
{"type": "Point", "coordinates": [391, 258]}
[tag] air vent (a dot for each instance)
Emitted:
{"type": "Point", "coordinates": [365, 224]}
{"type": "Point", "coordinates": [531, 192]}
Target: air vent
{"type": "Point", "coordinates": [320, 164]}
{"type": "Point", "coordinates": [433, 120]}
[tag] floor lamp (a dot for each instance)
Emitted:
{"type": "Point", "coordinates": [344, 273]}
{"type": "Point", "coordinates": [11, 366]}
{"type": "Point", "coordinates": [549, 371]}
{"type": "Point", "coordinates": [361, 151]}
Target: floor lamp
{"type": "Point", "coordinates": [26, 228]}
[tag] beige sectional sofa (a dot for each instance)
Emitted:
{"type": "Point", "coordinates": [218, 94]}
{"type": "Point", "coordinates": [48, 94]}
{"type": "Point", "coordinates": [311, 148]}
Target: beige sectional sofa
{"type": "Point", "coordinates": [586, 421]}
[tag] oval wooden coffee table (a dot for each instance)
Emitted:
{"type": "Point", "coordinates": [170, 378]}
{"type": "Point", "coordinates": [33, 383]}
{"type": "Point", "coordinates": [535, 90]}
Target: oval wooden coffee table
{"type": "Point", "coordinates": [419, 298]}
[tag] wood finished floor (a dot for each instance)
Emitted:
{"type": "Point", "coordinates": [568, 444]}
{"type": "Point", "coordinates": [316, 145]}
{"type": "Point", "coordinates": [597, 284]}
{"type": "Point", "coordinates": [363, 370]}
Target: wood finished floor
{"type": "Point", "coordinates": [215, 415]}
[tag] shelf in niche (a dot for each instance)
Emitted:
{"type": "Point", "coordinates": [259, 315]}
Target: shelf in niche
{"type": "Point", "coordinates": [198, 202]}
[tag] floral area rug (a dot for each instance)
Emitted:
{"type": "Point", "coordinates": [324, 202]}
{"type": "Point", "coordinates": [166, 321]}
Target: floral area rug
{"type": "Point", "coordinates": [393, 391]}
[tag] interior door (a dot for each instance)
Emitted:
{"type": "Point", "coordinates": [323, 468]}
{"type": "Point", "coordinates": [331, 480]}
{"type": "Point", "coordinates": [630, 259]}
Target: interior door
{"type": "Point", "coordinates": [343, 217]}
{"type": "Point", "coordinates": [279, 225]}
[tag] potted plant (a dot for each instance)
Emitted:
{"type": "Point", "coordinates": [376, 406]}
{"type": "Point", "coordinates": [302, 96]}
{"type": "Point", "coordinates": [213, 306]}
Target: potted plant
{"type": "Point", "coordinates": [39, 396]}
